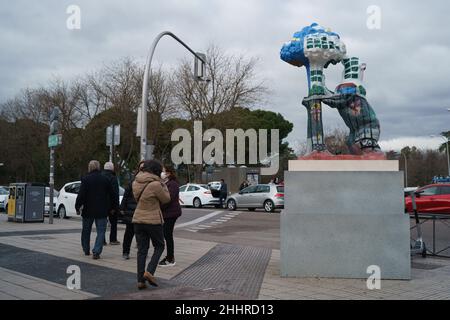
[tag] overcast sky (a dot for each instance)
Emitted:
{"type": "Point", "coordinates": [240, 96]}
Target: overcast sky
{"type": "Point", "coordinates": [408, 68]}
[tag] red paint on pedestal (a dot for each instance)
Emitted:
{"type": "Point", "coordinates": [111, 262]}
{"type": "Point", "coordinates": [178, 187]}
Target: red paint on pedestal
{"type": "Point", "coordinates": [326, 155]}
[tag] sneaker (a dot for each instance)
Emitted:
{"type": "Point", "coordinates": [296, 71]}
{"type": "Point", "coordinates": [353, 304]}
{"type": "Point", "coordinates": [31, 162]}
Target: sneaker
{"type": "Point", "coordinates": [87, 253]}
{"type": "Point", "coordinates": [114, 243]}
{"type": "Point", "coordinates": [96, 256]}
{"type": "Point", "coordinates": [126, 256]}
{"type": "Point", "coordinates": [166, 263]}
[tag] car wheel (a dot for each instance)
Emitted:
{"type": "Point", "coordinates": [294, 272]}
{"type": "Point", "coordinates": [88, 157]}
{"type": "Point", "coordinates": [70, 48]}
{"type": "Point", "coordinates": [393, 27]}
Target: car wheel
{"type": "Point", "coordinates": [62, 212]}
{"type": "Point", "coordinates": [197, 203]}
{"type": "Point", "coordinates": [251, 209]}
{"type": "Point", "coordinates": [269, 206]}
{"type": "Point", "coordinates": [231, 204]}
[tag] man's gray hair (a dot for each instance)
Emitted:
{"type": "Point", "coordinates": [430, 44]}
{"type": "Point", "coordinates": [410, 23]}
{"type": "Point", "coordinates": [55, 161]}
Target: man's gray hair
{"type": "Point", "coordinates": [109, 166]}
{"type": "Point", "coordinates": [93, 165]}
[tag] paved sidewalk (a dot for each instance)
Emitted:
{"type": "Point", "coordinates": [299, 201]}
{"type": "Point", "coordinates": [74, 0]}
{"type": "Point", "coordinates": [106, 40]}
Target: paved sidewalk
{"type": "Point", "coordinates": [19, 286]}
{"type": "Point", "coordinates": [430, 280]}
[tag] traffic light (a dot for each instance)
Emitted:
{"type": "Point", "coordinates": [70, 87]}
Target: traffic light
{"type": "Point", "coordinates": [54, 121]}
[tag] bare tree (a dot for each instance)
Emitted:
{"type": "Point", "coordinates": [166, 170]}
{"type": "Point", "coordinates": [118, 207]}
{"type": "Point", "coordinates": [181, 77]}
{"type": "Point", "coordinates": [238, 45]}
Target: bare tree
{"type": "Point", "coordinates": [336, 140]}
{"type": "Point", "coordinates": [233, 82]}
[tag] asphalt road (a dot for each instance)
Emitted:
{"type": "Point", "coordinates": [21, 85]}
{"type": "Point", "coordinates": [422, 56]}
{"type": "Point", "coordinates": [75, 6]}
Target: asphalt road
{"type": "Point", "coordinates": [257, 228]}
{"type": "Point", "coordinates": [261, 229]}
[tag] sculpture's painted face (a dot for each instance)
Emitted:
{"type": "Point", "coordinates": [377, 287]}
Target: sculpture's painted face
{"type": "Point", "coordinates": [355, 107]}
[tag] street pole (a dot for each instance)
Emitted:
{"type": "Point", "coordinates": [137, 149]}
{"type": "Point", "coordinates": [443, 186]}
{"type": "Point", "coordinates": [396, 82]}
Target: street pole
{"type": "Point", "coordinates": [406, 170]}
{"type": "Point", "coordinates": [111, 148]}
{"type": "Point", "coordinates": [147, 75]}
{"type": "Point", "coordinates": [52, 184]}
{"type": "Point", "coordinates": [448, 159]}
{"type": "Point", "coordinates": [54, 128]}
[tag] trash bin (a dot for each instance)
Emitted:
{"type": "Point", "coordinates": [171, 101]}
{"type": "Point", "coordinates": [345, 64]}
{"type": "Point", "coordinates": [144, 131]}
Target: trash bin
{"type": "Point", "coordinates": [26, 202]}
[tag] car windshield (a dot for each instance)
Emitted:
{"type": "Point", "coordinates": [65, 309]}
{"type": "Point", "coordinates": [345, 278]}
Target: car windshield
{"type": "Point", "coordinates": [280, 189]}
{"type": "Point", "coordinates": [205, 186]}
{"type": "Point", "coordinates": [429, 191]}
{"type": "Point", "coordinates": [3, 191]}
{"type": "Point", "coordinates": [47, 192]}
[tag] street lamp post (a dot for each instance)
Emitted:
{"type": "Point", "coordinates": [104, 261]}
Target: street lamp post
{"type": "Point", "coordinates": [448, 158]}
{"type": "Point", "coordinates": [406, 169]}
{"type": "Point", "coordinates": [145, 87]}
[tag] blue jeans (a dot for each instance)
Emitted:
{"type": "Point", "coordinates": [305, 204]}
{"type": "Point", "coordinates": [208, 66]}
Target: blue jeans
{"type": "Point", "coordinates": [100, 225]}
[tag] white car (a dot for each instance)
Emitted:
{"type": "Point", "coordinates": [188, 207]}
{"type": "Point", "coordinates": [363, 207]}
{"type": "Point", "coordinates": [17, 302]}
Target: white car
{"type": "Point", "coordinates": [197, 195]}
{"type": "Point", "coordinates": [215, 185]}
{"type": "Point", "coordinates": [47, 200]}
{"type": "Point", "coordinates": [67, 197]}
{"type": "Point", "coordinates": [4, 194]}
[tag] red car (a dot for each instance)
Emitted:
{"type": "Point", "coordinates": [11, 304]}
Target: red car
{"type": "Point", "coordinates": [434, 198]}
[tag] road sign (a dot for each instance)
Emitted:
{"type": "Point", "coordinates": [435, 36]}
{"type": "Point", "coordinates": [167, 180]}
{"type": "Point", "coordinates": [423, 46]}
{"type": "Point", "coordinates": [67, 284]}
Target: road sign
{"type": "Point", "coordinates": [54, 140]}
{"type": "Point", "coordinates": [109, 135]}
{"type": "Point", "coordinates": [54, 118]}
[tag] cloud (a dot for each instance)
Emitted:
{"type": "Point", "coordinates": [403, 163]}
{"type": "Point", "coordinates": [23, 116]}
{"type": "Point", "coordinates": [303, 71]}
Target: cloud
{"type": "Point", "coordinates": [407, 59]}
{"type": "Point", "coordinates": [424, 143]}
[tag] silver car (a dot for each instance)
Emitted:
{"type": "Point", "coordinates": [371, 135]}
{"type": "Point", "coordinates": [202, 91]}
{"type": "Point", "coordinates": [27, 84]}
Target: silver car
{"type": "Point", "coordinates": [266, 196]}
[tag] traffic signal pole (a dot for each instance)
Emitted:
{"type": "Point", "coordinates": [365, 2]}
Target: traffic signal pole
{"type": "Point", "coordinates": [54, 140]}
{"type": "Point", "coordinates": [52, 184]}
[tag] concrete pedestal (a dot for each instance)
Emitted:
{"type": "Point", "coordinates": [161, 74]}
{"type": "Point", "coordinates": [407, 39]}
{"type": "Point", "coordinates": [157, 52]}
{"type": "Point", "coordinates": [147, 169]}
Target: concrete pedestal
{"type": "Point", "coordinates": [337, 223]}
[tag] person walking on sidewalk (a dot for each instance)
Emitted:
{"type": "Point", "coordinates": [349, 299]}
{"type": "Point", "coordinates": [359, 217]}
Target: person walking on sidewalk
{"type": "Point", "coordinates": [150, 192]}
{"type": "Point", "coordinates": [93, 202]}
{"type": "Point", "coordinates": [109, 173]}
{"type": "Point", "coordinates": [127, 208]}
{"type": "Point", "coordinates": [171, 212]}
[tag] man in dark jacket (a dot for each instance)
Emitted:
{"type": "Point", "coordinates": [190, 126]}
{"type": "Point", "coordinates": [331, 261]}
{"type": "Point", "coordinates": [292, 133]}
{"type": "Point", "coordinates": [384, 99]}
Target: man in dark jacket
{"type": "Point", "coordinates": [94, 200]}
{"type": "Point", "coordinates": [109, 173]}
{"type": "Point", "coordinates": [223, 192]}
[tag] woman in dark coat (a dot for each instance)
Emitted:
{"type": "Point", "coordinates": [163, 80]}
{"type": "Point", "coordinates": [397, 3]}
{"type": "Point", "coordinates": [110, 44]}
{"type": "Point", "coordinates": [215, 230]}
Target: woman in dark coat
{"type": "Point", "coordinates": [171, 212]}
{"type": "Point", "coordinates": [127, 207]}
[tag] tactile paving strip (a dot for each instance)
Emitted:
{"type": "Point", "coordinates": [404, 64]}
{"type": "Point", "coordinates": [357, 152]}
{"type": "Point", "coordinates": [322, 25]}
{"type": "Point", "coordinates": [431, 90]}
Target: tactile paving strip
{"type": "Point", "coordinates": [235, 269]}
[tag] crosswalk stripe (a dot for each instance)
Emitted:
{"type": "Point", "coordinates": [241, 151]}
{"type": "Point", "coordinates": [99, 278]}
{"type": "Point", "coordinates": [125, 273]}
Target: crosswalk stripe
{"type": "Point", "coordinates": [201, 219]}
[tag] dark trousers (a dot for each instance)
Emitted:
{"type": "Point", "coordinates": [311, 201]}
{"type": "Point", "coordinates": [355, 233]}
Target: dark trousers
{"type": "Point", "coordinates": [169, 224]}
{"type": "Point", "coordinates": [113, 231]}
{"type": "Point", "coordinates": [100, 225]}
{"type": "Point", "coordinates": [144, 233]}
{"type": "Point", "coordinates": [223, 197]}
{"type": "Point", "coordinates": [128, 238]}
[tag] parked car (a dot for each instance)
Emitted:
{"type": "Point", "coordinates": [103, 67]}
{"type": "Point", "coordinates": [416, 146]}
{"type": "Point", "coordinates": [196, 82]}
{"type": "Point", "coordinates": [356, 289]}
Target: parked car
{"type": "Point", "coordinates": [47, 201]}
{"type": "Point", "coordinates": [408, 191]}
{"type": "Point", "coordinates": [266, 196]}
{"type": "Point", "coordinates": [68, 196]}
{"type": "Point", "coordinates": [197, 195]}
{"type": "Point", "coordinates": [433, 198]}
{"type": "Point", "coordinates": [4, 194]}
